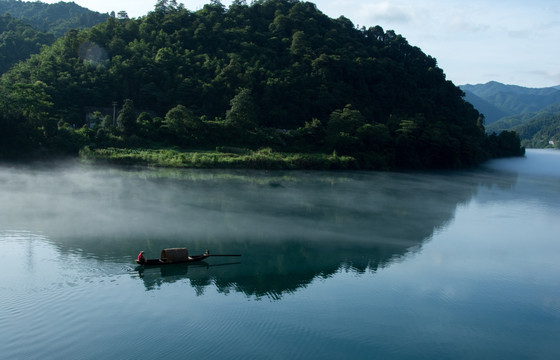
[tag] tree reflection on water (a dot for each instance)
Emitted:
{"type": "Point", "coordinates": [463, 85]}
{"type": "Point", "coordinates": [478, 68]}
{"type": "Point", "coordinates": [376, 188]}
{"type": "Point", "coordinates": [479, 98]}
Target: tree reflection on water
{"type": "Point", "coordinates": [290, 227]}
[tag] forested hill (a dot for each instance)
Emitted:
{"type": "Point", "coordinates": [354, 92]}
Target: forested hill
{"type": "Point", "coordinates": [536, 130]}
{"type": "Point", "coordinates": [18, 40]}
{"type": "Point", "coordinates": [26, 26]}
{"type": "Point", "coordinates": [277, 73]}
{"type": "Point", "coordinates": [55, 18]}
{"type": "Point", "coordinates": [534, 113]}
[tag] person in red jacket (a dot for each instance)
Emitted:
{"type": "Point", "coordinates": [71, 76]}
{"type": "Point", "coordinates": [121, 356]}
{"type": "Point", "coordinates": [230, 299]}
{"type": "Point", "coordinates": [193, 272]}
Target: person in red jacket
{"type": "Point", "coordinates": [141, 258]}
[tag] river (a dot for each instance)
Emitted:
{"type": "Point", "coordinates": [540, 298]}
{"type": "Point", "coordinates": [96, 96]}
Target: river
{"type": "Point", "coordinates": [334, 265]}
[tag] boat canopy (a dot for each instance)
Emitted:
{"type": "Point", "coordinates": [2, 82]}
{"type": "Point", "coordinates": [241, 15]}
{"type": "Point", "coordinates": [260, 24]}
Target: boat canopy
{"type": "Point", "coordinates": [174, 254]}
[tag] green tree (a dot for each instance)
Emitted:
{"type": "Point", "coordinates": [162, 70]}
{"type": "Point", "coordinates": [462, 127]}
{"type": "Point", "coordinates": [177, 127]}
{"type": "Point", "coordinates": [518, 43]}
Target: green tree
{"type": "Point", "coordinates": [312, 135]}
{"type": "Point", "coordinates": [342, 129]}
{"type": "Point", "coordinates": [166, 6]}
{"type": "Point", "coordinates": [36, 100]}
{"type": "Point", "coordinates": [126, 121]}
{"type": "Point", "coordinates": [242, 113]}
{"type": "Point", "coordinates": [506, 144]}
{"type": "Point", "coordinates": [146, 126]}
{"type": "Point", "coordinates": [376, 146]}
{"type": "Point", "coordinates": [347, 120]}
{"type": "Point", "coordinates": [375, 138]}
{"type": "Point", "coordinates": [122, 15]}
{"type": "Point", "coordinates": [184, 125]}
{"type": "Point", "coordinates": [299, 45]}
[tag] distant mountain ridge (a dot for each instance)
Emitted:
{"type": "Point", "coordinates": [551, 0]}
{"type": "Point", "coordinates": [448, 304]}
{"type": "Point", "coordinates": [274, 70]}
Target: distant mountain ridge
{"type": "Point", "coordinates": [496, 100]}
{"type": "Point", "coordinates": [534, 113]}
{"type": "Point", "coordinates": [493, 87]}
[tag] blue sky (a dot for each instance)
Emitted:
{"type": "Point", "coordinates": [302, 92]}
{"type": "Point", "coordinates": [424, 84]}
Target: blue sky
{"type": "Point", "coordinates": [513, 42]}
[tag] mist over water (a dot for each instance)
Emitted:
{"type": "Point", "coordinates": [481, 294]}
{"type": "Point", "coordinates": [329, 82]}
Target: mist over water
{"type": "Point", "coordinates": [76, 200]}
{"type": "Point", "coordinates": [335, 264]}
{"type": "Point", "coordinates": [536, 163]}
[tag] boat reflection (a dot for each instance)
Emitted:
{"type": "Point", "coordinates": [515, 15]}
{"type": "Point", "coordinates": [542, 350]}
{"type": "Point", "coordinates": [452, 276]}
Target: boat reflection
{"type": "Point", "coordinates": [199, 274]}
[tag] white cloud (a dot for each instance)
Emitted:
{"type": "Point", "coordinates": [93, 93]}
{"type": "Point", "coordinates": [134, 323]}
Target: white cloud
{"type": "Point", "coordinates": [462, 24]}
{"type": "Point", "coordinates": [387, 12]}
{"type": "Point", "coordinates": [550, 76]}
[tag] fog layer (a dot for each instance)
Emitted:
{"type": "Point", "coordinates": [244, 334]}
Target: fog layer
{"type": "Point", "coordinates": [76, 200]}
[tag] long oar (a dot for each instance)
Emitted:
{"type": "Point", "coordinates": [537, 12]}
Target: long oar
{"type": "Point", "coordinates": [224, 255]}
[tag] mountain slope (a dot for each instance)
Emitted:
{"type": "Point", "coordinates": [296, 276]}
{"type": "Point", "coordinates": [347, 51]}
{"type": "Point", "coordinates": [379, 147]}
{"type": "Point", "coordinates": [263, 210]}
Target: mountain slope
{"type": "Point", "coordinates": [56, 18]}
{"type": "Point", "coordinates": [490, 111]}
{"type": "Point", "coordinates": [542, 131]}
{"type": "Point", "coordinates": [277, 73]}
{"type": "Point", "coordinates": [510, 99]}
{"type": "Point", "coordinates": [536, 130]}
{"type": "Point", "coordinates": [18, 41]}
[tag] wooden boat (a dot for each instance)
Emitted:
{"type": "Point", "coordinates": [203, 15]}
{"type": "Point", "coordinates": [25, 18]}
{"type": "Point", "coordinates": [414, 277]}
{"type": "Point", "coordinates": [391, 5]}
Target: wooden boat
{"type": "Point", "coordinates": [176, 256]}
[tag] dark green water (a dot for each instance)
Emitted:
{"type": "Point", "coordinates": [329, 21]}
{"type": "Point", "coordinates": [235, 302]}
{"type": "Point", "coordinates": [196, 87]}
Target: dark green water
{"type": "Point", "coordinates": [335, 265]}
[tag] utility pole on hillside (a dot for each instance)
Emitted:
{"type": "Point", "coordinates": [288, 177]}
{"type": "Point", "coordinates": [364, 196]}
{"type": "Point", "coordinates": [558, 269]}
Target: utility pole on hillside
{"type": "Point", "coordinates": [114, 114]}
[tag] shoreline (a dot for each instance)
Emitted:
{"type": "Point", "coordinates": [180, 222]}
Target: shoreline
{"type": "Point", "coordinates": [225, 158]}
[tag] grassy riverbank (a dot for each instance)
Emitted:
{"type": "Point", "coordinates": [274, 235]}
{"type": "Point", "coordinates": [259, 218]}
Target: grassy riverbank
{"type": "Point", "coordinates": [222, 157]}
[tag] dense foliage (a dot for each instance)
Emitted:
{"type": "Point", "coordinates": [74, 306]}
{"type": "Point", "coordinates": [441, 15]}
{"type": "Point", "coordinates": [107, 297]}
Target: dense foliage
{"type": "Point", "coordinates": [18, 41]}
{"type": "Point", "coordinates": [55, 18]}
{"type": "Point", "coordinates": [26, 26]}
{"type": "Point", "coordinates": [277, 74]}
{"type": "Point", "coordinates": [542, 132]}
{"type": "Point", "coordinates": [533, 113]}
{"type": "Point", "coordinates": [536, 130]}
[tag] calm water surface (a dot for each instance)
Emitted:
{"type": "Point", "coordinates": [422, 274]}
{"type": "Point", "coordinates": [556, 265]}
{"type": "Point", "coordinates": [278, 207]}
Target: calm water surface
{"type": "Point", "coordinates": [335, 265]}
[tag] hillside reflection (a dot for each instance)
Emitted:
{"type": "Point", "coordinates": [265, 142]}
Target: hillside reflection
{"type": "Point", "coordinates": [274, 269]}
{"type": "Point", "coordinates": [291, 228]}
{"type": "Point", "coordinates": [361, 224]}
